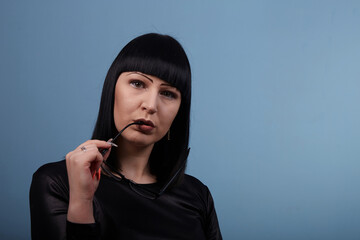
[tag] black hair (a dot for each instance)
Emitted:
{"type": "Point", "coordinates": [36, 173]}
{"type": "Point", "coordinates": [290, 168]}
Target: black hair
{"type": "Point", "coordinates": [161, 56]}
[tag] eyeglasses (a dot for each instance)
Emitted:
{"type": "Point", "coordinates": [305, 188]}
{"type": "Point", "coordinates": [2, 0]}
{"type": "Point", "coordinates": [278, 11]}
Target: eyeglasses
{"type": "Point", "coordinates": [139, 188]}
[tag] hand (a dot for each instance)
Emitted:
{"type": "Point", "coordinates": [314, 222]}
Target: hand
{"type": "Point", "coordinates": [83, 168]}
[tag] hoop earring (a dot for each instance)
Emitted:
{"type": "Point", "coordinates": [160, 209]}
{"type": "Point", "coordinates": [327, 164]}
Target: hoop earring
{"type": "Point", "coordinates": [168, 135]}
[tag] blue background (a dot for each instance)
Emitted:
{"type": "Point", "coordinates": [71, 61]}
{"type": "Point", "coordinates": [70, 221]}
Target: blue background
{"type": "Point", "coordinates": [275, 113]}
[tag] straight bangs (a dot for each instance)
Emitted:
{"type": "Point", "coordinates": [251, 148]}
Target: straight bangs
{"type": "Point", "coordinates": [157, 56]}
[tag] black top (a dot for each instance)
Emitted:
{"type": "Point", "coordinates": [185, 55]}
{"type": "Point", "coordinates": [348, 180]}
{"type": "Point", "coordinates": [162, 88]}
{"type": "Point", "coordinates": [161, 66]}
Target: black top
{"type": "Point", "coordinates": [184, 212]}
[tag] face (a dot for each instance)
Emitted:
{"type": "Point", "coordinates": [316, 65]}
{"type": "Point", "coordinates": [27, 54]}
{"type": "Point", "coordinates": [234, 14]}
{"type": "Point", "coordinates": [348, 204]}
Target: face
{"type": "Point", "coordinates": [142, 97]}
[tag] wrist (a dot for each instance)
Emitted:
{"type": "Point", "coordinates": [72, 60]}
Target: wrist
{"type": "Point", "coordinates": [80, 211]}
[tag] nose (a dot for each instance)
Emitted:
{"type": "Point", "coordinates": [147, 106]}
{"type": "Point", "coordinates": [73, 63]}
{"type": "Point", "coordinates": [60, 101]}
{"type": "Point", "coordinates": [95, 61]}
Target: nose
{"type": "Point", "coordinates": [149, 103]}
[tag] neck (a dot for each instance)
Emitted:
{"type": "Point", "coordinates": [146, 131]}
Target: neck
{"type": "Point", "coordinates": [133, 162]}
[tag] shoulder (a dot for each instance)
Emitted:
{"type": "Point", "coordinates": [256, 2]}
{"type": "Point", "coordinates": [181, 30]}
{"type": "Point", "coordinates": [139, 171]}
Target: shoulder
{"type": "Point", "coordinates": [51, 175]}
{"type": "Point", "coordinates": [192, 191]}
{"type": "Point", "coordinates": [194, 186]}
{"type": "Point", "coordinates": [54, 169]}
{"type": "Point", "coordinates": [193, 181]}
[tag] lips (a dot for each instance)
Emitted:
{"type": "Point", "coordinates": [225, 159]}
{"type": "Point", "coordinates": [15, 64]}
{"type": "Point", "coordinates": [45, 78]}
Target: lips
{"type": "Point", "coordinates": [146, 122]}
{"type": "Point", "coordinates": [146, 125]}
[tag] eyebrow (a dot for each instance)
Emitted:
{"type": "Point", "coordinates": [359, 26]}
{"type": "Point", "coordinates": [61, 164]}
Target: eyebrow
{"type": "Point", "coordinates": [168, 85]}
{"type": "Point", "coordinates": [142, 75]}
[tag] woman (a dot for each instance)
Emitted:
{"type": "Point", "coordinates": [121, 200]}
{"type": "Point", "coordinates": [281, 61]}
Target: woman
{"type": "Point", "coordinates": [143, 192]}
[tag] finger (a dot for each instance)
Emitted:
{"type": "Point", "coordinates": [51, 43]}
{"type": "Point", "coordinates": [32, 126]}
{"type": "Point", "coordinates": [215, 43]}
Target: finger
{"type": "Point", "coordinates": [110, 141]}
{"type": "Point", "coordinates": [94, 147]}
{"type": "Point", "coordinates": [98, 143]}
{"type": "Point", "coordinates": [95, 165]}
{"type": "Point", "coordinates": [104, 152]}
{"type": "Point", "coordinates": [68, 155]}
{"type": "Point", "coordinates": [84, 157]}
{"type": "Point", "coordinates": [107, 154]}
{"type": "Point", "coordinates": [86, 148]}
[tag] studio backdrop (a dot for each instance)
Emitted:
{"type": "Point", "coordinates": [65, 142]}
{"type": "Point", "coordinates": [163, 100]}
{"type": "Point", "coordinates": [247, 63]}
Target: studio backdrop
{"type": "Point", "coordinates": [275, 125]}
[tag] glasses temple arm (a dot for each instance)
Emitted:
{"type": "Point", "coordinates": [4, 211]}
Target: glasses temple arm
{"type": "Point", "coordinates": [104, 151]}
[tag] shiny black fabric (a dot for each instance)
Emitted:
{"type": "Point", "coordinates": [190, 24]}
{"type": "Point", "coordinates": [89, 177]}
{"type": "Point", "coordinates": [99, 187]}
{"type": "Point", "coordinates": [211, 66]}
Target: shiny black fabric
{"type": "Point", "coordinates": [184, 212]}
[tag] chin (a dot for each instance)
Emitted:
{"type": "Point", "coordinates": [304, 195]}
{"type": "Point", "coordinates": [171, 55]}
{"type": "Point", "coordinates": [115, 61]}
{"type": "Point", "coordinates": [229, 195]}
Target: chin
{"type": "Point", "coordinates": [142, 141]}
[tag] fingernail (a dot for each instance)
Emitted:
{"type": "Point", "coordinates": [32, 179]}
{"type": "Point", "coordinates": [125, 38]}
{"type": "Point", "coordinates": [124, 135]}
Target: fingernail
{"type": "Point", "coordinates": [112, 144]}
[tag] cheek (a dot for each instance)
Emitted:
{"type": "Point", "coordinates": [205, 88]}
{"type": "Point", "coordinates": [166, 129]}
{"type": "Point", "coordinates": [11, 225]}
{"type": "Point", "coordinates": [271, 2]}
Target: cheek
{"type": "Point", "coordinates": [119, 110]}
{"type": "Point", "coordinates": [117, 115]}
{"type": "Point", "coordinates": [170, 115]}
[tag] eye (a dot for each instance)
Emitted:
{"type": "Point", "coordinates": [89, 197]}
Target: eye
{"type": "Point", "coordinates": [168, 94]}
{"type": "Point", "coordinates": [137, 84]}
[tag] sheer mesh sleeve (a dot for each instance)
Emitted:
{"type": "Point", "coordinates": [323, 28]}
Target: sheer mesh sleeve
{"type": "Point", "coordinates": [49, 198]}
